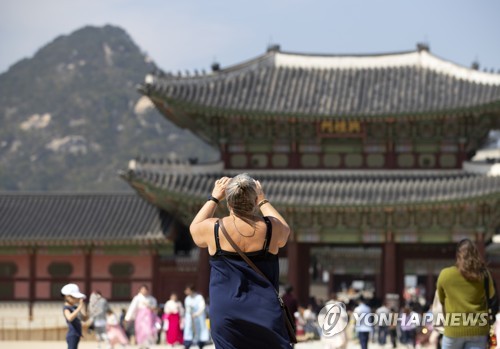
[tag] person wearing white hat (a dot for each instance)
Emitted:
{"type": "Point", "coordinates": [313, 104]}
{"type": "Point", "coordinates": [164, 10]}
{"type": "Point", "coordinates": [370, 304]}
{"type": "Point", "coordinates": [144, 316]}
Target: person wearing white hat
{"type": "Point", "coordinates": [72, 313]}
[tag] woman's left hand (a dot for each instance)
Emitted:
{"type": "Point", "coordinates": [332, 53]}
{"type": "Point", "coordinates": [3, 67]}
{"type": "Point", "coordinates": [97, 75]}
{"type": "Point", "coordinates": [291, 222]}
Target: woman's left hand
{"type": "Point", "coordinates": [260, 192]}
{"type": "Point", "coordinates": [219, 191]}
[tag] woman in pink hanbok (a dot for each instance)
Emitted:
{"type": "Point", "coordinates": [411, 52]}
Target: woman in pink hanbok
{"type": "Point", "coordinates": [172, 315]}
{"type": "Point", "coordinates": [143, 311]}
{"type": "Point", "coordinates": [116, 334]}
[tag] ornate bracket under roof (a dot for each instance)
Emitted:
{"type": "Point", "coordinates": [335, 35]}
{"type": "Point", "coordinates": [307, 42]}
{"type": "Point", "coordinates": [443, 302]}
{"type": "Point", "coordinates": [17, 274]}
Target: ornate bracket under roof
{"type": "Point", "coordinates": [349, 206]}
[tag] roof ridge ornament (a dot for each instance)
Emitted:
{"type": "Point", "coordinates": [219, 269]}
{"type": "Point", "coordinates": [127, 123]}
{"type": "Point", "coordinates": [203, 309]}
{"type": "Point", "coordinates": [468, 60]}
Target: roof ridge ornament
{"type": "Point", "coordinates": [273, 48]}
{"type": "Point", "coordinates": [423, 46]}
{"type": "Point", "coordinates": [215, 66]}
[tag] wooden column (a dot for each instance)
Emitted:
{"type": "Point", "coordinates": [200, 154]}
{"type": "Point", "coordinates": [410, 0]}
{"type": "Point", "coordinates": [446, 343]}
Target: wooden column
{"type": "Point", "coordinates": [480, 244]}
{"type": "Point", "coordinates": [389, 266]}
{"type": "Point", "coordinates": [390, 144]}
{"type": "Point", "coordinates": [462, 154]}
{"type": "Point", "coordinates": [224, 154]}
{"type": "Point", "coordinates": [294, 155]}
{"type": "Point", "coordinates": [156, 283]}
{"type": "Point", "coordinates": [88, 269]}
{"type": "Point", "coordinates": [389, 263]}
{"type": "Point", "coordinates": [390, 155]}
{"type": "Point", "coordinates": [32, 280]}
{"type": "Point", "coordinates": [298, 270]}
{"type": "Point", "coordinates": [203, 279]}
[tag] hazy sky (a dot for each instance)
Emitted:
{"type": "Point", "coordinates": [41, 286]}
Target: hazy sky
{"type": "Point", "coordinates": [184, 34]}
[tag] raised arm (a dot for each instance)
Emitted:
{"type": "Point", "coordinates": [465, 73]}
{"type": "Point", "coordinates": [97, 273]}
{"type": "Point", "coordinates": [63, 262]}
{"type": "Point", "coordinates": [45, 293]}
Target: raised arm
{"type": "Point", "coordinates": [267, 209]}
{"type": "Point", "coordinates": [202, 221]}
{"type": "Point", "coordinates": [71, 315]}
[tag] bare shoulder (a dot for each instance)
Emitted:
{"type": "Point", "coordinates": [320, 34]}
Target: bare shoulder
{"type": "Point", "coordinates": [277, 224]}
{"type": "Point", "coordinates": [274, 220]}
{"type": "Point", "coordinates": [201, 232]}
{"type": "Point", "coordinates": [280, 231]}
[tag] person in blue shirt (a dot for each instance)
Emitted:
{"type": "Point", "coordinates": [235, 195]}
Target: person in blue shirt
{"type": "Point", "coordinates": [73, 309]}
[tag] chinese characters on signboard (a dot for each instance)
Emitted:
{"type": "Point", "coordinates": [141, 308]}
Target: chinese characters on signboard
{"type": "Point", "coordinates": [340, 128]}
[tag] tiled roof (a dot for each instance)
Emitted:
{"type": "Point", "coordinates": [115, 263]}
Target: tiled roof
{"type": "Point", "coordinates": [80, 218]}
{"type": "Point", "coordinates": [328, 188]}
{"type": "Point", "coordinates": [279, 83]}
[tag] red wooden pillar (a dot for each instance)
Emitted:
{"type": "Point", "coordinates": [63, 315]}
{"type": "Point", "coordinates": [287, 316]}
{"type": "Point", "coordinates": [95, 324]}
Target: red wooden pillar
{"type": "Point", "coordinates": [389, 269]}
{"type": "Point", "coordinates": [480, 244]}
{"type": "Point", "coordinates": [294, 155]}
{"type": "Point", "coordinates": [462, 154]}
{"type": "Point", "coordinates": [390, 155]}
{"type": "Point", "coordinates": [294, 149]}
{"type": "Point", "coordinates": [32, 280]}
{"type": "Point", "coordinates": [88, 269]}
{"type": "Point", "coordinates": [298, 270]}
{"type": "Point", "coordinates": [225, 155]}
{"type": "Point", "coordinates": [203, 279]}
{"type": "Point", "coordinates": [156, 282]}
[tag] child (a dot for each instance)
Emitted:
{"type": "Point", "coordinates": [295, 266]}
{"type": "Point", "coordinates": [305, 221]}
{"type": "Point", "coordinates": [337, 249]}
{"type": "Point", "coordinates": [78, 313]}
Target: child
{"type": "Point", "coordinates": [71, 311]}
{"type": "Point", "coordinates": [116, 334]}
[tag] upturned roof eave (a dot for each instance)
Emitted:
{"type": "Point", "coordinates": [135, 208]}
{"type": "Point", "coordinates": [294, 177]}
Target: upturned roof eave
{"type": "Point", "coordinates": [303, 205]}
{"type": "Point", "coordinates": [190, 107]}
{"type": "Point", "coordinates": [272, 58]}
{"type": "Point", "coordinates": [269, 55]}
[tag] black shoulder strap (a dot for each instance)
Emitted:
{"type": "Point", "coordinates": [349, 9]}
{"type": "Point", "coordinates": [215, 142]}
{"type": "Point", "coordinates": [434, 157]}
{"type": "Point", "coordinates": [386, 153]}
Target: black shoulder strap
{"type": "Point", "coordinates": [269, 234]}
{"type": "Point", "coordinates": [216, 237]}
{"type": "Point", "coordinates": [245, 257]}
{"type": "Point", "coordinates": [287, 317]}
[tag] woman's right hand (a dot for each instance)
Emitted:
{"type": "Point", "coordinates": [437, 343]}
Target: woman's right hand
{"type": "Point", "coordinates": [219, 191]}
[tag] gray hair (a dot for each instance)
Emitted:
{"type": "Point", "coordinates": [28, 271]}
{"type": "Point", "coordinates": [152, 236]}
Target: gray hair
{"type": "Point", "coordinates": [241, 197]}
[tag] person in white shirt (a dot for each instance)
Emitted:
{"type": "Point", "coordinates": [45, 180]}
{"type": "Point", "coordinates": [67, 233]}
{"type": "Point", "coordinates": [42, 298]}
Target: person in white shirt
{"type": "Point", "coordinates": [363, 329]}
{"type": "Point", "coordinates": [337, 340]}
{"type": "Point", "coordinates": [195, 326]}
{"type": "Point", "coordinates": [383, 329]}
{"type": "Point", "coordinates": [143, 310]}
{"type": "Point", "coordinates": [116, 334]}
{"type": "Point", "coordinates": [98, 306]}
{"type": "Point", "coordinates": [409, 327]}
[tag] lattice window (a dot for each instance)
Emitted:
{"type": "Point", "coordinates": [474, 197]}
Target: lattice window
{"type": "Point", "coordinates": [7, 272]}
{"type": "Point", "coordinates": [60, 269]}
{"type": "Point", "coordinates": [403, 129]}
{"type": "Point", "coordinates": [120, 270]}
{"type": "Point", "coordinates": [7, 269]}
{"type": "Point", "coordinates": [55, 289]}
{"type": "Point", "coordinates": [120, 290]}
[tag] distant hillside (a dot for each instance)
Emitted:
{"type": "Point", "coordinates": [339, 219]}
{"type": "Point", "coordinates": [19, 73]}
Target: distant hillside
{"type": "Point", "coordinates": [71, 116]}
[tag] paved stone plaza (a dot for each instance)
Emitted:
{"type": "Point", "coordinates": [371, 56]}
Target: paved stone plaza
{"type": "Point", "coordinates": [93, 345]}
